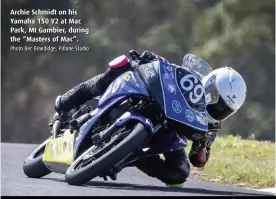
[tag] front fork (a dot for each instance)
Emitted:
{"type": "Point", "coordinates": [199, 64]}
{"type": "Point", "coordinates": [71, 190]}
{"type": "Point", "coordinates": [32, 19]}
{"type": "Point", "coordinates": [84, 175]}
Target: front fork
{"type": "Point", "coordinates": [121, 121]}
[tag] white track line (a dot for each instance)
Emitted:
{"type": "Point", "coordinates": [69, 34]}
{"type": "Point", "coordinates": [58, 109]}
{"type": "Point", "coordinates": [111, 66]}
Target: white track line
{"type": "Point", "coordinates": [270, 190]}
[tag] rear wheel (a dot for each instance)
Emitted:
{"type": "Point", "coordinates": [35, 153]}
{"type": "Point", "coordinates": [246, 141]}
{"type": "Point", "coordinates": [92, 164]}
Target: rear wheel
{"type": "Point", "coordinates": [33, 166]}
{"type": "Point", "coordinates": [99, 159]}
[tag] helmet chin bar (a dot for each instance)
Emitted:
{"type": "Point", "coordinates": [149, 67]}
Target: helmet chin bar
{"type": "Point", "coordinates": [211, 120]}
{"type": "Point", "coordinates": [219, 111]}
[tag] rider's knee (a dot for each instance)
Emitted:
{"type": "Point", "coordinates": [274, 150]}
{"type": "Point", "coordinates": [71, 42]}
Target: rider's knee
{"type": "Point", "coordinates": [181, 174]}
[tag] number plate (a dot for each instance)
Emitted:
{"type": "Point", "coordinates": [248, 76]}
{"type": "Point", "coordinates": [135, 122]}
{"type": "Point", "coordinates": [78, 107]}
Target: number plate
{"type": "Point", "coordinates": [192, 89]}
{"type": "Point", "coordinates": [184, 98]}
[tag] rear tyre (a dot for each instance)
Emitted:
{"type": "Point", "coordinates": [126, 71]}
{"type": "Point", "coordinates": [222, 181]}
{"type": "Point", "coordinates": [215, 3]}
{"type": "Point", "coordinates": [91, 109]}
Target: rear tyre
{"type": "Point", "coordinates": [33, 166]}
{"type": "Point", "coordinates": [116, 151]}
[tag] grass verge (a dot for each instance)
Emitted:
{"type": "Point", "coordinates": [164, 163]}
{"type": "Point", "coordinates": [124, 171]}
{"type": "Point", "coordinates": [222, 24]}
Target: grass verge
{"type": "Point", "coordinates": [239, 162]}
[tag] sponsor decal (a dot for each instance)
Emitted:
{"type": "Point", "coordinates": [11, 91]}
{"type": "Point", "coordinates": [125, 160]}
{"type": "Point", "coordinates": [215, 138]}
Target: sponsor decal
{"type": "Point", "coordinates": [230, 99]}
{"type": "Point", "coordinates": [149, 72]}
{"type": "Point", "coordinates": [201, 119]}
{"type": "Point", "coordinates": [127, 77]}
{"type": "Point", "coordinates": [189, 115]}
{"type": "Point", "coordinates": [52, 150]}
{"type": "Point", "coordinates": [176, 106]}
{"type": "Point", "coordinates": [70, 146]}
{"type": "Point", "coordinates": [172, 88]}
{"type": "Point", "coordinates": [166, 76]}
{"type": "Point", "coordinates": [169, 68]}
{"type": "Point", "coordinates": [57, 148]}
{"type": "Point", "coordinates": [64, 146]}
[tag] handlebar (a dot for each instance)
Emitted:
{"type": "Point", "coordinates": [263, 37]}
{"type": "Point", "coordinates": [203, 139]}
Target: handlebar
{"type": "Point", "coordinates": [136, 56]}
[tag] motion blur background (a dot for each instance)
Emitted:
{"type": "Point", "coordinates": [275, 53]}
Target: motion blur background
{"type": "Point", "coordinates": [236, 33]}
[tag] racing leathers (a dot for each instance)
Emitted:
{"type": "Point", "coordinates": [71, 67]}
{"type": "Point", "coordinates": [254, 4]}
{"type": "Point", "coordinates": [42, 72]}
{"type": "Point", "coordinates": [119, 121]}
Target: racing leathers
{"type": "Point", "coordinates": [175, 169]}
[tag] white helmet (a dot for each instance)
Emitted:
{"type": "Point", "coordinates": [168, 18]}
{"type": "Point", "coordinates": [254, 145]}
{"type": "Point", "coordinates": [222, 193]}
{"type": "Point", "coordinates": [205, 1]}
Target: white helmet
{"type": "Point", "coordinates": [225, 93]}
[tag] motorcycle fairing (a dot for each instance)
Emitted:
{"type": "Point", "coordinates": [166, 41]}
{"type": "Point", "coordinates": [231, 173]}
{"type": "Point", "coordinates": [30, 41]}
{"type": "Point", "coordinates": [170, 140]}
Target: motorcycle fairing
{"type": "Point", "coordinates": [176, 100]}
{"type": "Point", "coordinates": [164, 82]}
{"type": "Point", "coordinates": [59, 152]}
{"type": "Point", "coordinates": [132, 115]}
{"type": "Point", "coordinates": [125, 85]}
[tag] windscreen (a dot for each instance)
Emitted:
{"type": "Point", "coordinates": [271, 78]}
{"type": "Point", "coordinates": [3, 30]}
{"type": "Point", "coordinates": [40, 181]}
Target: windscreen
{"type": "Point", "coordinates": [197, 65]}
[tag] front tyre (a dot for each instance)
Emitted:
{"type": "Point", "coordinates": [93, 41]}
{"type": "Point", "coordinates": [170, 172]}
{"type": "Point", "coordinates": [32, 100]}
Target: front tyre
{"type": "Point", "coordinates": [33, 166]}
{"type": "Point", "coordinates": [97, 160]}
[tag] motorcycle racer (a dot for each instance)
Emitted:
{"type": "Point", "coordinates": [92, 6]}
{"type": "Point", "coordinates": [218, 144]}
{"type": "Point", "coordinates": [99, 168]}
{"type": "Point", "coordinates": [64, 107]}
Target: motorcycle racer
{"type": "Point", "coordinates": [174, 170]}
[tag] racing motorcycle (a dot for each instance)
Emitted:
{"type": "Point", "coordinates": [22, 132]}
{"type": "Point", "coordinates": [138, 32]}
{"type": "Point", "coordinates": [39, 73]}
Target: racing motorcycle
{"type": "Point", "coordinates": [139, 115]}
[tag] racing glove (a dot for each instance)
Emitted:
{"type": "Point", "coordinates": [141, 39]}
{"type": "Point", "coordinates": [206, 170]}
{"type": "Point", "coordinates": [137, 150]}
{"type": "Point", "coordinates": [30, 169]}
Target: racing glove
{"type": "Point", "coordinates": [200, 150]}
{"type": "Point", "coordinates": [150, 57]}
{"type": "Point", "coordinates": [199, 153]}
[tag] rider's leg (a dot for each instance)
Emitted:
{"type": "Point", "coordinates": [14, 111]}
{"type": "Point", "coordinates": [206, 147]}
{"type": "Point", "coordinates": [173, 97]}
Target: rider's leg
{"type": "Point", "coordinates": [173, 171]}
{"type": "Point", "coordinates": [91, 88]}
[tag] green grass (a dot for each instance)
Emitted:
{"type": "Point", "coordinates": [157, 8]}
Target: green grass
{"type": "Point", "coordinates": [239, 162]}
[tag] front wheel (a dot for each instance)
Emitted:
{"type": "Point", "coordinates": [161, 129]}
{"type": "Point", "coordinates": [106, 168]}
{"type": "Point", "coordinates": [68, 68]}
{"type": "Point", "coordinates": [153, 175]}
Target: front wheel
{"type": "Point", "coordinates": [99, 159]}
{"type": "Point", "coordinates": [33, 166]}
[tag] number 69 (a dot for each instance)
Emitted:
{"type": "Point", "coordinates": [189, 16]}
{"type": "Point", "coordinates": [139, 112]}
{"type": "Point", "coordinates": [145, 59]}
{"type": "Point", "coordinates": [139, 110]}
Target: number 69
{"type": "Point", "coordinates": [197, 91]}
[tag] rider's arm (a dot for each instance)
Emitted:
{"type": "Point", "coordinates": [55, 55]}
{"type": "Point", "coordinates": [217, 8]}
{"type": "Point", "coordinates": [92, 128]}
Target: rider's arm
{"type": "Point", "coordinates": [200, 150]}
{"type": "Point", "coordinates": [213, 130]}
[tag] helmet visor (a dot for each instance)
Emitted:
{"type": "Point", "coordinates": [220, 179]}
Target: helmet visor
{"type": "Point", "coordinates": [211, 91]}
{"type": "Point", "coordinates": [220, 110]}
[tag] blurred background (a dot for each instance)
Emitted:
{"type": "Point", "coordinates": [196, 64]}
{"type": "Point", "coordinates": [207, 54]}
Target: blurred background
{"type": "Point", "coordinates": [236, 33]}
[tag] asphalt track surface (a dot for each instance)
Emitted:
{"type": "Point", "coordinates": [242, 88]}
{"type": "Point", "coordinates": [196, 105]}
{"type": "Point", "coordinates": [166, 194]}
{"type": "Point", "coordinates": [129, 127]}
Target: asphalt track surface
{"type": "Point", "coordinates": [131, 182]}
